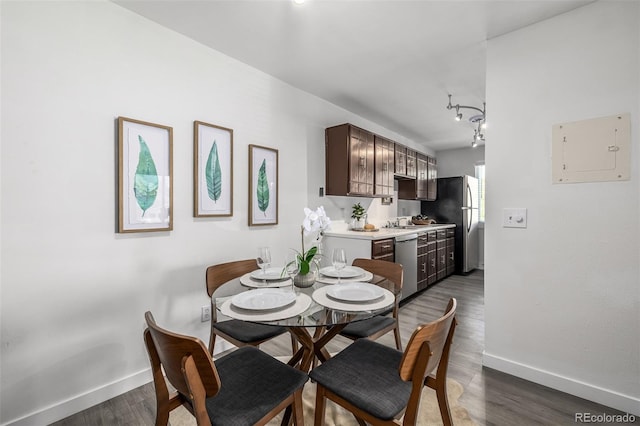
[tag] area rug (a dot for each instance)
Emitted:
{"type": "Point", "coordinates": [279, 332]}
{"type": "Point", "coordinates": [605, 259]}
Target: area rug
{"type": "Point", "coordinates": [337, 416]}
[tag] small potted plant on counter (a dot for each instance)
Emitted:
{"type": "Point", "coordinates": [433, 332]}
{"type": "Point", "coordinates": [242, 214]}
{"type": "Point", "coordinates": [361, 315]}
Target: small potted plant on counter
{"type": "Point", "coordinates": [358, 215]}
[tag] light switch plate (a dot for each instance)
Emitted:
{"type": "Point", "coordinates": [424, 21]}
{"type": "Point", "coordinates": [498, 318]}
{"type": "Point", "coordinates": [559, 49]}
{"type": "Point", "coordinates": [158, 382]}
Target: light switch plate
{"type": "Point", "coordinates": [514, 218]}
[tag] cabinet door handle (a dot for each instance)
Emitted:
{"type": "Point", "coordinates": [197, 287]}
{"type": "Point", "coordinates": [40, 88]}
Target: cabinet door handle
{"type": "Point", "coordinates": [363, 163]}
{"type": "Point", "coordinates": [443, 259]}
{"type": "Point", "coordinates": [433, 262]}
{"type": "Point", "coordinates": [451, 256]}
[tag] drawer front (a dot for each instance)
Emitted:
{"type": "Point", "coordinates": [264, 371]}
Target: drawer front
{"type": "Point", "coordinates": [451, 232]}
{"type": "Point", "coordinates": [442, 234]}
{"type": "Point", "coordinates": [381, 248]}
{"type": "Point", "coordinates": [432, 236]}
{"type": "Point", "coordinates": [386, 258]}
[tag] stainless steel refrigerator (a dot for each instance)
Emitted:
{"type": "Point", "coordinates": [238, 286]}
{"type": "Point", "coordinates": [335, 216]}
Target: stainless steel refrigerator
{"type": "Point", "coordinates": [457, 203]}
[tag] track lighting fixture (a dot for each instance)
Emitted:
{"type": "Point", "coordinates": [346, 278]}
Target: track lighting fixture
{"type": "Point", "coordinates": [478, 119]}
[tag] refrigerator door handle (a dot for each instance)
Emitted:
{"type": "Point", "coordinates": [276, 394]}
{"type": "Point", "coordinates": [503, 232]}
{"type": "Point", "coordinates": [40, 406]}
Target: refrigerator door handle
{"type": "Point", "coordinates": [470, 201]}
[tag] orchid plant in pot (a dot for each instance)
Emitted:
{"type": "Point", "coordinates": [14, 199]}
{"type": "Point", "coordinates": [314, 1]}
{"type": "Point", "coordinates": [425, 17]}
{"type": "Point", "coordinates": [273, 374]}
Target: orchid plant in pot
{"type": "Point", "coordinates": [314, 223]}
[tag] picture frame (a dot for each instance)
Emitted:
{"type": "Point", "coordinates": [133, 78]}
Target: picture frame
{"type": "Point", "coordinates": [263, 186]}
{"type": "Point", "coordinates": [145, 176]}
{"type": "Point", "coordinates": [212, 170]}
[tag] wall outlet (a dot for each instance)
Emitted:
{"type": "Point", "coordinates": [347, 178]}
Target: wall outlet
{"type": "Point", "coordinates": [514, 218]}
{"type": "Point", "coordinates": [205, 313]}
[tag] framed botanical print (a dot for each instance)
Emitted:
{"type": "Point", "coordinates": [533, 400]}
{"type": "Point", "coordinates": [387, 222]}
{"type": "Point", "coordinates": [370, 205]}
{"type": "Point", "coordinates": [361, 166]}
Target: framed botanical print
{"type": "Point", "coordinates": [212, 170]}
{"type": "Point", "coordinates": [145, 178]}
{"type": "Point", "coordinates": [263, 186]}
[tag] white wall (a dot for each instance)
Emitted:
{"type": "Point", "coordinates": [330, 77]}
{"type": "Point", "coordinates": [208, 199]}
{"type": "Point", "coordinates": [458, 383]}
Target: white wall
{"type": "Point", "coordinates": [459, 162]}
{"type": "Point", "coordinates": [562, 297]}
{"type": "Point", "coordinates": [73, 291]}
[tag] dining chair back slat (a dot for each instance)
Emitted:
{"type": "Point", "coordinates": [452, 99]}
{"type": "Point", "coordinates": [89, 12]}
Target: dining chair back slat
{"type": "Point", "coordinates": [391, 271]}
{"type": "Point", "coordinates": [172, 349]}
{"type": "Point", "coordinates": [393, 385]}
{"type": "Point", "coordinates": [219, 274]}
{"type": "Point", "coordinates": [378, 326]}
{"type": "Point", "coordinates": [435, 335]}
{"type": "Point", "coordinates": [245, 386]}
{"type": "Point", "coordinates": [236, 332]}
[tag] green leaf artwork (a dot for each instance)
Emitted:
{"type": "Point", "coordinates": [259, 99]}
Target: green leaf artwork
{"type": "Point", "coordinates": [263, 188]}
{"type": "Point", "coordinates": [214, 174]}
{"type": "Point", "coordinates": [145, 185]}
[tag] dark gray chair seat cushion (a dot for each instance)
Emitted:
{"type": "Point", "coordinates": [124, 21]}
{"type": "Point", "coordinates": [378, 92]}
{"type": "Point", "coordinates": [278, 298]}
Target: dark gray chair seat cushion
{"type": "Point", "coordinates": [253, 383]}
{"type": "Point", "coordinates": [247, 331]}
{"type": "Point", "coordinates": [366, 374]}
{"type": "Point", "coordinates": [365, 328]}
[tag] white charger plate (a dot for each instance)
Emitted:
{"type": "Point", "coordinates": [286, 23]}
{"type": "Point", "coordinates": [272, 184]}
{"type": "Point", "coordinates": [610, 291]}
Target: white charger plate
{"type": "Point", "coordinates": [355, 292]}
{"type": "Point", "coordinates": [247, 281]}
{"type": "Point", "coordinates": [301, 304]}
{"type": "Point", "coordinates": [321, 298]}
{"type": "Point", "coordinates": [366, 276]}
{"type": "Point", "coordinates": [347, 272]}
{"type": "Point", "coordinates": [263, 299]}
{"type": "Point", "coordinates": [270, 274]}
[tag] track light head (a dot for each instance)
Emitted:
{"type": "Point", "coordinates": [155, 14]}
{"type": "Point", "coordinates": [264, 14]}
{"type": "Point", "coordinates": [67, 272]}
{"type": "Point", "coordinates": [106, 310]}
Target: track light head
{"type": "Point", "coordinates": [479, 119]}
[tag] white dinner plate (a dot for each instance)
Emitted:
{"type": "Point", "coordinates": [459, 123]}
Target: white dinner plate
{"type": "Point", "coordinates": [321, 298]}
{"type": "Point", "coordinates": [355, 292]}
{"type": "Point", "coordinates": [301, 304]}
{"type": "Point", "coordinates": [263, 299]}
{"type": "Point", "coordinates": [347, 272]}
{"type": "Point", "coordinates": [270, 274]}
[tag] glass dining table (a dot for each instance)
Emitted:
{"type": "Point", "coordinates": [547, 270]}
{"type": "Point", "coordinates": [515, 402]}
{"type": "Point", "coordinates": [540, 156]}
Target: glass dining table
{"type": "Point", "coordinates": [313, 315]}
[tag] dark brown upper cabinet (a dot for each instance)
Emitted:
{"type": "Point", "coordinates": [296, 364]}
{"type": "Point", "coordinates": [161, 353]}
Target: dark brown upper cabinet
{"type": "Point", "coordinates": [400, 160]}
{"type": "Point", "coordinates": [423, 187]}
{"type": "Point", "coordinates": [432, 176]}
{"type": "Point", "coordinates": [411, 163]}
{"type": "Point", "coordinates": [384, 166]}
{"type": "Point", "coordinates": [360, 163]}
{"type": "Point", "coordinates": [349, 162]}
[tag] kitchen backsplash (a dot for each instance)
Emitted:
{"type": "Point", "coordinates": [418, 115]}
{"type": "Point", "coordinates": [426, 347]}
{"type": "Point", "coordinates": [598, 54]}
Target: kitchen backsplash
{"type": "Point", "coordinates": [339, 210]}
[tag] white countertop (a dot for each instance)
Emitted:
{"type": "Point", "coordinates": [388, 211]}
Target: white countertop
{"type": "Point", "coordinates": [386, 232]}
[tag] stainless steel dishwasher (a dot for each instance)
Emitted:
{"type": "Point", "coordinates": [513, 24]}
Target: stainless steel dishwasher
{"type": "Point", "coordinates": [407, 256]}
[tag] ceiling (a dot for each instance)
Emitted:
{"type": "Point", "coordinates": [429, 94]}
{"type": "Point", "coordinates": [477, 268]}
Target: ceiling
{"type": "Point", "coordinates": [390, 61]}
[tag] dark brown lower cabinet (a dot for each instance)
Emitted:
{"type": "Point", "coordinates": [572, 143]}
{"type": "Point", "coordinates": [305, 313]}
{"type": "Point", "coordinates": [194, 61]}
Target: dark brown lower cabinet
{"type": "Point", "coordinates": [383, 250]}
{"type": "Point", "coordinates": [423, 260]}
{"type": "Point", "coordinates": [427, 260]}
{"type": "Point", "coordinates": [451, 260]}
{"type": "Point", "coordinates": [438, 261]}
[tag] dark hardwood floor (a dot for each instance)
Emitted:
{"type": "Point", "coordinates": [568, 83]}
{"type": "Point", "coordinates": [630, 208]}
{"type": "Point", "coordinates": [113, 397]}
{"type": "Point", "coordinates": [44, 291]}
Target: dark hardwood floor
{"type": "Point", "coordinates": [491, 397]}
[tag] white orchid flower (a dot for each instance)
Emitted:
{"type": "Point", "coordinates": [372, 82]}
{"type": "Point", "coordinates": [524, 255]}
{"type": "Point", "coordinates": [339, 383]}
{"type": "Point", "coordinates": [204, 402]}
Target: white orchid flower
{"type": "Point", "coordinates": [315, 220]}
{"type": "Point", "coordinates": [324, 219]}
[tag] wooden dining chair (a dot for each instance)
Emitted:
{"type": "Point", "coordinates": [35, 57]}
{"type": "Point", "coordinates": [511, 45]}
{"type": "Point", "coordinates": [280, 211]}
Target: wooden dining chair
{"type": "Point", "coordinates": [245, 387]}
{"type": "Point", "coordinates": [379, 384]}
{"type": "Point", "coordinates": [379, 325]}
{"type": "Point", "coordinates": [239, 333]}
